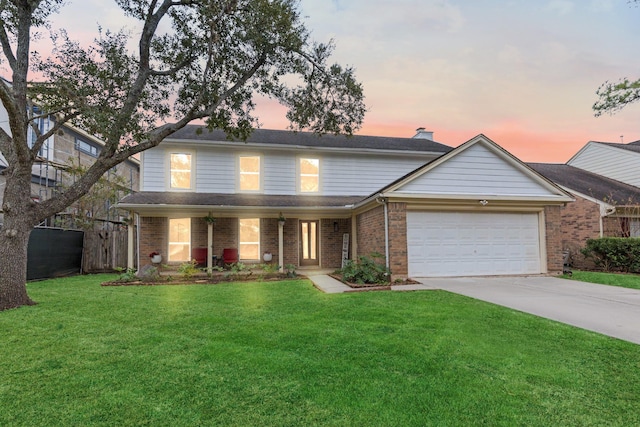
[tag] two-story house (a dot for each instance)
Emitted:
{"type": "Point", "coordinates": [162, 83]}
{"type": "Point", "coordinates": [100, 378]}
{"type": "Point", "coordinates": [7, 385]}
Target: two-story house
{"type": "Point", "coordinates": [429, 209]}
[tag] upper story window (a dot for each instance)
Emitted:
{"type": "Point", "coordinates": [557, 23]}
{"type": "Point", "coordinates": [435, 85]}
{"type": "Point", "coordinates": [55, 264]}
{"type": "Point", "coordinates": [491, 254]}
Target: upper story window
{"type": "Point", "coordinates": [249, 169]}
{"type": "Point", "coordinates": [180, 169]}
{"type": "Point", "coordinates": [309, 172]}
{"type": "Point", "coordinates": [87, 148]}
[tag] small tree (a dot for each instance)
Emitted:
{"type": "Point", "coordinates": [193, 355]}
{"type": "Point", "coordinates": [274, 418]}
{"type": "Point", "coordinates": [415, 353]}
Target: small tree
{"type": "Point", "coordinates": [614, 96]}
{"type": "Point", "coordinates": [215, 57]}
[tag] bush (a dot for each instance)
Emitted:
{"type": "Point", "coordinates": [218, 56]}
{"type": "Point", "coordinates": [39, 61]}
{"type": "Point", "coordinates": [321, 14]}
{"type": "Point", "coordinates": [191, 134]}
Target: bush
{"type": "Point", "coordinates": [188, 269]}
{"type": "Point", "coordinates": [366, 271]}
{"type": "Point", "coordinates": [614, 253]}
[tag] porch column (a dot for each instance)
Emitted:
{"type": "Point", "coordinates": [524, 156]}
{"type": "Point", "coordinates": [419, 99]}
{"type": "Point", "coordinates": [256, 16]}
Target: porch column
{"type": "Point", "coordinates": [209, 247]}
{"type": "Point", "coordinates": [130, 240]}
{"type": "Point", "coordinates": [280, 245]}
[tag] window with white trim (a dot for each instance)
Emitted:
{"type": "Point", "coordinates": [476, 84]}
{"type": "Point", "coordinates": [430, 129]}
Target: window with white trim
{"type": "Point", "coordinates": [180, 171]}
{"type": "Point", "coordinates": [309, 172]}
{"type": "Point", "coordinates": [249, 173]}
{"type": "Point", "coordinates": [179, 239]}
{"type": "Point", "coordinates": [249, 238]}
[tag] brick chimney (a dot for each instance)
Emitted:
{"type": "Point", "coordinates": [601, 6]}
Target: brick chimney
{"type": "Point", "coordinates": [423, 134]}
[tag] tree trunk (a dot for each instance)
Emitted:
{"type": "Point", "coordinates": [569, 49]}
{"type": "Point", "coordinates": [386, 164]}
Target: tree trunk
{"type": "Point", "coordinates": [14, 240]}
{"type": "Point", "coordinates": [13, 267]}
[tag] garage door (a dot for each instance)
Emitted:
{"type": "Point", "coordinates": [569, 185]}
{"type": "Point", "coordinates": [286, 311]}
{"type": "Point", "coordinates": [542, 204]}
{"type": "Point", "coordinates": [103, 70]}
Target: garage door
{"type": "Point", "coordinates": [472, 244]}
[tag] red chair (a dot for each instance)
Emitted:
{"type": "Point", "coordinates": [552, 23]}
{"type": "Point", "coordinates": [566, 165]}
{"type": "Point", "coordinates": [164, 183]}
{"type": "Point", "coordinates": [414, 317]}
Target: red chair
{"type": "Point", "coordinates": [229, 255]}
{"type": "Point", "coordinates": [200, 255]}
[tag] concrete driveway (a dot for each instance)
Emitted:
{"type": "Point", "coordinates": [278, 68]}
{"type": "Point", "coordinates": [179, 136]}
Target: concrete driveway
{"type": "Point", "coordinates": [608, 310]}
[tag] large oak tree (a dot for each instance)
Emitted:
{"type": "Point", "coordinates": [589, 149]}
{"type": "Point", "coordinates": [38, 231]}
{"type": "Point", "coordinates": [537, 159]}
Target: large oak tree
{"type": "Point", "coordinates": [209, 63]}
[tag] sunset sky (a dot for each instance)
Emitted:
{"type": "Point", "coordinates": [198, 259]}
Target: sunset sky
{"type": "Point", "coordinates": [522, 72]}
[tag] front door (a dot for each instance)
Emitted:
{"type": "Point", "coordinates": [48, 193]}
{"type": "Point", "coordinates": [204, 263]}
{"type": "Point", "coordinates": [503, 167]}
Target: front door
{"type": "Point", "coordinates": [309, 243]}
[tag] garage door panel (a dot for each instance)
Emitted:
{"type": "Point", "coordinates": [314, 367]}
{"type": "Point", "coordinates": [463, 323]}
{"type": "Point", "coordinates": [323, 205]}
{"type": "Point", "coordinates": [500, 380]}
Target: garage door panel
{"type": "Point", "coordinates": [469, 244]}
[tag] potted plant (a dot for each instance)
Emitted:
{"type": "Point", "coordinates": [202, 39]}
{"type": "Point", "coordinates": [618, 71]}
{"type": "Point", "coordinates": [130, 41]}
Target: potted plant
{"type": "Point", "coordinates": [156, 258]}
{"type": "Point", "coordinates": [281, 218]}
{"type": "Point", "coordinates": [210, 219]}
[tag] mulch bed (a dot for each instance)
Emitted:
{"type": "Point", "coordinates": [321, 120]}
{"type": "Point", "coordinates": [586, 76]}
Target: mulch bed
{"type": "Point", "coordinates": [203, 280]}
{"type": "Point", "coordinates": [373, 286]}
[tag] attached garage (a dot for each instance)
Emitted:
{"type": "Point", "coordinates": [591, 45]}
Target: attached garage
{"type": "Point", "coordinates": [473, 243]}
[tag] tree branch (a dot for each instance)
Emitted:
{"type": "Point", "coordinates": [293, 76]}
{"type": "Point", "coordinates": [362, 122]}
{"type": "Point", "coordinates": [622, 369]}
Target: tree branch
{"type": "Point", "coordinates": [6, 46]}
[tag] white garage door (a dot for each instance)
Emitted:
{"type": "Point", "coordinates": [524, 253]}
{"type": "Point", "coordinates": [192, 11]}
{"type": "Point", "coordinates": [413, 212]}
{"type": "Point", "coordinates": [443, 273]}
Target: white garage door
{"type": "Point", "coordinates": [472, 244]}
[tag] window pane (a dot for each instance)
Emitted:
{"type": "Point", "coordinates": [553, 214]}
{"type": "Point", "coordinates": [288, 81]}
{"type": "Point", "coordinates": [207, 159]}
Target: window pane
{"type": "Point", "coordinates": [312, 240]}
{"type": "Point", "coordinates": [249, 173]}
{"type": "Point", "coordinates": [305, 240]}
{"type": "Point", "coordinates": [250, 238]}
{"type": "Point", "coordinates": [309, 184]}
{"type": "Point", "coordinates": [250, 164]}
{"type": "Point", "coordinates": [180, 170]}
{"type": "Point", "coordinates": [179, 239]}
{"type": "Point", "coordinates": [309, 166]}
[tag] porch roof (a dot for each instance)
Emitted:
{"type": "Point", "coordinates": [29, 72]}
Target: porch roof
{"type": "Point", "coordinates": [163, 200]}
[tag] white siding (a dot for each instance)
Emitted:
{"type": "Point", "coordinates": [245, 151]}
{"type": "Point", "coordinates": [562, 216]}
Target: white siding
{"type": "Point", "coordinates": [153, 170]}
{"type": "Point", "coordinates": [279, 173]}
{"type": "Point", "coordinates": [215, 171]}
{"type": "Point", "coordinates": [615, 163]}
{"type": "Point", "coordinates": [362, 175]}
{"type": "Point", "coordinates": [476, 170]}
{"type": "Point", "coordinates": [340, 174]}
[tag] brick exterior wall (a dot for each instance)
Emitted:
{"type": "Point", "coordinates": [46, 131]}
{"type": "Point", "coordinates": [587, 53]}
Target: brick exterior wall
{"type": "Point", "coordinates": [331, 241]}
{"type": "Point", "coordinates": [370, 231]}
{"type": "Point", "coordinates": [553, 231]}
{"type": "Point", "coordinates": [153, 238]}
{"type": "Point", "coordinates": [580, 221]}
{"type": "Point", "coordinates": [398, 263]}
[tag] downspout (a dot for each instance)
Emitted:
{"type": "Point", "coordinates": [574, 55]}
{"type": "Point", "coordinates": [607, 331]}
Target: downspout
{"type": "Point", "coordinates": [383, 201]}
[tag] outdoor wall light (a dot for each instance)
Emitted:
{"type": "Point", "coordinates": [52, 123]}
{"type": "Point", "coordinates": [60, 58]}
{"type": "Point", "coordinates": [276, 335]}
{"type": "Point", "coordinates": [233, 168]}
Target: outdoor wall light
{"type": "Point", "coordinates": [335, 226]}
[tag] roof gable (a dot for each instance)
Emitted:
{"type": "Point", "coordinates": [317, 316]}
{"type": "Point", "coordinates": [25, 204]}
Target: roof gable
{"type": "Point", "coordinates": [477, 168]}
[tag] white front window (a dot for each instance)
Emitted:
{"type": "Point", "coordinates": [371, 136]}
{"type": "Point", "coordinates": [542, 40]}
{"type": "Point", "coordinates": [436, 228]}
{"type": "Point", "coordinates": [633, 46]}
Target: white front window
{"type": "Point", "coordinates": [249, 168]}
{"type": "Point", "coordinates": [179, 239]}
{"type": "Point", "coordinates": [249, 238]}
{"type": "Point", "coordinates": [309, 175]}
{"type": "Point", "coordinates": [180, 170]}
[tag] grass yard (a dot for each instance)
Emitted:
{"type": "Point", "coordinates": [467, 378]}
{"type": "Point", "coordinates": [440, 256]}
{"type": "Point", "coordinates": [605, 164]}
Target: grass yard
{"type": "Point", "coordinates": [613, 279]}
{"type": "Point", "coordinates": [284, 354]}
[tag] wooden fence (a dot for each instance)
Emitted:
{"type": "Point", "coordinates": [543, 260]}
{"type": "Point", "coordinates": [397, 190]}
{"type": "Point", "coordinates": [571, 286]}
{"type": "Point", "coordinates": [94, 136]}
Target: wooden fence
{"type": "Point", "coordinates": [104, 250]}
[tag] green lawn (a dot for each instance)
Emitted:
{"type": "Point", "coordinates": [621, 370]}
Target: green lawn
{"type": "Point", "coordinates": [614, 279]}
{"type": "Point", "coordinates": [285, 354]}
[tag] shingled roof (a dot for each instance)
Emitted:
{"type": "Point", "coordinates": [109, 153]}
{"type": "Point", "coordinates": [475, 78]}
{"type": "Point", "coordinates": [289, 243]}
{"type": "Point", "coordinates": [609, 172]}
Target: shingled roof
{"type": "Point", "coordinates": [590, 184]}
{"type": "Point", "coordinates": [309, 139]}
{"type": "Point", "coordinates": [632, 146]}
{"type": "Point", "coordinates": [153, 198]}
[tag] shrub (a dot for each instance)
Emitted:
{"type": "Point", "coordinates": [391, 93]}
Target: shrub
{"type": "Point", "coordinates": [614, 253]}
{"type": "Point", "coordinates": [366, 271]}
{"type": "Point", "coordinates": [188, 269]}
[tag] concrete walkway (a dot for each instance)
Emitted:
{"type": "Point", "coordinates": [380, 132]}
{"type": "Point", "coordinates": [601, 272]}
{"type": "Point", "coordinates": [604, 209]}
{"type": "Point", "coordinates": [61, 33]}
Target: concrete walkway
{"type": "Point", "coordinates": [329, 285]}
{"type": "Point", "coordinates": [608, 310]}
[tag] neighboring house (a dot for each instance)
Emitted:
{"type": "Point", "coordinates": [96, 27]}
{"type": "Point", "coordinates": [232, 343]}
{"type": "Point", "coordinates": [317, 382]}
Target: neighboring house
{"type": "Point", "coordinates": [603, 207]}
{"type": "Point", "coordinates": [70, 146]}
{"type": "Point", "coordinates": [431, 210]}
{"type": "Point", "coordinates": [617, 161]}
